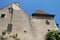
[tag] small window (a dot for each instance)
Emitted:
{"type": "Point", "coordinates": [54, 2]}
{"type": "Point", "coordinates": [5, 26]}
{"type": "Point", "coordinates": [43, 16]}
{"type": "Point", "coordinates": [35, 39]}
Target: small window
{"type": "Point", "coordinates": [47, 22]}
{"type": "Point", "coordinates": [9, 28]}
{"type": "Point", "coordinates": [2, 15]}
{"type": "Point", "coordinates": [10, 10]}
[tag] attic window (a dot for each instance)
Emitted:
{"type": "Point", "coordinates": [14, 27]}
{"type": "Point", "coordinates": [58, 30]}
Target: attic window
{"type": "Point", "coordinates": [2, 15]}
{"type": "Point", "coordinates": [47, 22]}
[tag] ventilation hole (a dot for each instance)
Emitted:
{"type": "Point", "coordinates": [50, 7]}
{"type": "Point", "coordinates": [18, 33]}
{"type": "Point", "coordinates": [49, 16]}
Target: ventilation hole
{"type": "Point", "coordinates": [48, 29]}
{"type": "Point", "coordinates": [25, 31]}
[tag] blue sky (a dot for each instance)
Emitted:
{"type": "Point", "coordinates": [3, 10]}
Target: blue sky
{"type": "Point", "coordinates": [50, 6]}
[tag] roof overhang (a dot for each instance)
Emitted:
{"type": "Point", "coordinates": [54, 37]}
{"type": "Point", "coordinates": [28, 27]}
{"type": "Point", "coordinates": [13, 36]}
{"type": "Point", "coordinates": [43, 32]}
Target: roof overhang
{"type": "Point", "coordinates": [43, 15]}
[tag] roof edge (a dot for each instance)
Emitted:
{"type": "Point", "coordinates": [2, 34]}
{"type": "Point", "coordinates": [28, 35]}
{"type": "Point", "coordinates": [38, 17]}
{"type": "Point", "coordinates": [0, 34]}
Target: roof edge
{"type": "Point", "coordinates": [44, 15]}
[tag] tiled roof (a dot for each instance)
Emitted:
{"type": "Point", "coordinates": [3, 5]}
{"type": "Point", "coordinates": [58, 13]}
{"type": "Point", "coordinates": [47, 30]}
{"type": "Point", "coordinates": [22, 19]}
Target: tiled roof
{"type": "Point", "coordinates": [42, 13]}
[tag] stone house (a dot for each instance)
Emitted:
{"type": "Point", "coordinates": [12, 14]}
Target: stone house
{"type": "Point", "coordinates": [15, 20]}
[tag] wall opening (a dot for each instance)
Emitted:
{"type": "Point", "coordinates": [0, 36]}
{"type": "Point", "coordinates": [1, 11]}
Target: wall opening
{"type": "Point", "coordinates": [25, 31]}
{"type": "Point", "coordinates": [9, 28]}
{"type": "Point", "coordinates": [2, 15]}
{"type": "Point", "coordinates": [47, 22]}
{"type": "Point", "coordinates": [10, 10]}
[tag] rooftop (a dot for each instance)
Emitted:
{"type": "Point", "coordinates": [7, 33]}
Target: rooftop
{"type": "Point", "coordinates": [42, 13]}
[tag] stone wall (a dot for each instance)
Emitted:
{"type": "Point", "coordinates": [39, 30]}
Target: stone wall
{"type": "Point", "coordinates": [39, 26]}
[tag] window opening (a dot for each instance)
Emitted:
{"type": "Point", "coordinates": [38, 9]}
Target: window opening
{"type": "Point", "coordinates": [9, 28]}
{"type": "Point", "coordinates": [47, 22]}
{"type": "Point", "coordinates": [2, 15]}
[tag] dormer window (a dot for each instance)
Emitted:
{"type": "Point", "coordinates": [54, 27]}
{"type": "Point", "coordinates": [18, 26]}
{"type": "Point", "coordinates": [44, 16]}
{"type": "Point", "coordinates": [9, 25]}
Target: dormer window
{"type": "Point", "coordinates": [10, 10]}
{"type": "Point", "coordinates": [47, 22]}
{"type": "Point", "coordinates": [2, 15]}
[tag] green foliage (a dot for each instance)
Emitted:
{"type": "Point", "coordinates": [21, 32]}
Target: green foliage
{"type": "Point", "coordinates": [15, 37]}
{"type": "Point", "coordinates": [53, 35]}
{"type": "Point", "coordinates": [3, 38]}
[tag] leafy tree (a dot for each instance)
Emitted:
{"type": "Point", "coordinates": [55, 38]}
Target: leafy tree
{"type": "Point", "coordinates": [53, 35]}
